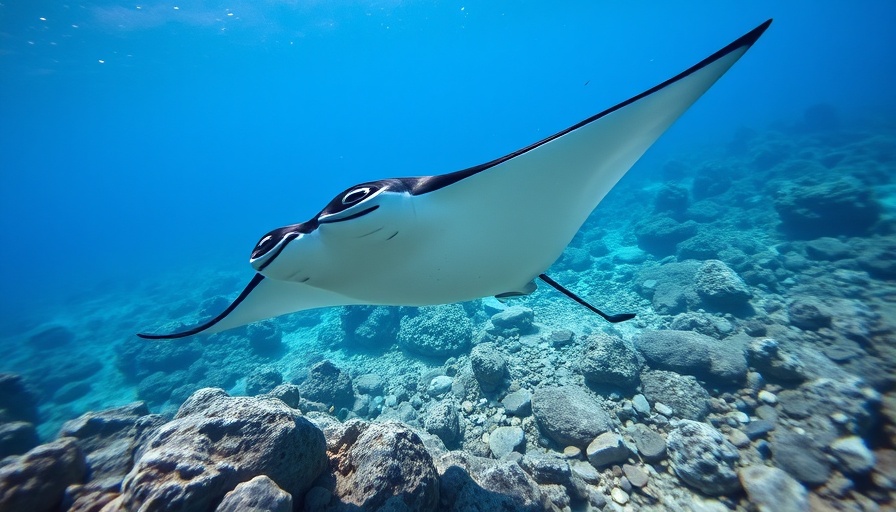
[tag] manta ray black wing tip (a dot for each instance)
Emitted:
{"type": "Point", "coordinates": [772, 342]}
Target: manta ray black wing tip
{"type": "Point", "coordinates": [613, 319]}
{"type": "Point", "coordinates": [207, 325]}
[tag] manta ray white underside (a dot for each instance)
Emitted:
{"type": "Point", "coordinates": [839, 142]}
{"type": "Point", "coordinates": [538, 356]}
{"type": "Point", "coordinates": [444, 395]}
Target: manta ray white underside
{"type": "Point", "coordinates": [487, 230]}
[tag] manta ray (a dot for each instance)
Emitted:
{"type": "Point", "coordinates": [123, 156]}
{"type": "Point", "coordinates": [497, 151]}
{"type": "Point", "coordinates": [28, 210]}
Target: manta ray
{"type": "Point", "coordinates": [489, 230]}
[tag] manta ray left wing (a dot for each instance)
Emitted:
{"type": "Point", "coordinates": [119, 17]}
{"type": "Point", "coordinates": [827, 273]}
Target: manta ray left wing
{"type": "Point", "coordinates": [261, 299]}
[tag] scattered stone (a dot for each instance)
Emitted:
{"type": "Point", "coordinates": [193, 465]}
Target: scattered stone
{"type": "Point", "coordinates": [767, 357]}
{"type": "Point", "coordinates": [758, 428]}
{"type": "Point", "coordinates": [797, 455]}
{"type": "Point", "coordinates": [767, 397]}
{"type": "Point", "coordinates": [288, 394]}
{"type": "Point", "coordinates": [641, 405]}
{"type": "Point", "coordinates": [572, 452]}
{"type": "Point", "coordinates": [703, 458]}
{"type": "Point", "coordinates": [773, 490]}
{"type": "Point", "coordinates": [683, 393]}
{"type": "Point", "coordinates": [547, 470]}
{"type": "Point", "coordinates": [217, 441]}
{"type": "Point", "coordinates": [512, 321]}
{"type": "Point", "coordinates": [569, 415]}
{"type": "Point", "coordinates": [720, 287]}
{"type": "Point", "coordinates": [738, 438]}
{"type": "Point", "coordinates": [767, 413]}
{"type": "Point", "coordinates": [853, 455]}
{"type": "Point", "coordinates": [663, 409]}
{"type": "Point", "coordinates": [619, 496]}
{"type": "Point", "coordinates": [518, 403]}
{"type": "Point", "coordinates": [37, 480]}
{"type": "Point", "coordinates": [637, 476]}
{"type": "Point", "coordinates": [695, 354]}
{"type": "Point", "coordinates": [561, 338]}
{"type": "Point", "coordinates": [488, 366]}
{"type": "Point", "coordinates": [328, 384]}
{"type": "Point", "coordinates": [504, 440]}
{"type": "Point", "coordinates": [260, 494]}
{"type": "Point", "coordinates": [608, 360]}
{"type": "Point", "coordinates": [371, 384]}
{"type": "Point", "coordinates": [585, 471]}
{"type": "Point", "coordinates": [436, 331]}
{"type": "Point", "coordinates": [650, 444]}
{"type": "Point", "coordinates": [443, 421]}
{"type": "Point", "coordinates": [439, 385]}
{"type": "Point", "coordinates": [607, 448]}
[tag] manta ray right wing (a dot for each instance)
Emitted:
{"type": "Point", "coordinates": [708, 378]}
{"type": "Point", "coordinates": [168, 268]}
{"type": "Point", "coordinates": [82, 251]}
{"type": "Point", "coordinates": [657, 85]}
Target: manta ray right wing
{"type": "Point", "coordinates": [261, 299]}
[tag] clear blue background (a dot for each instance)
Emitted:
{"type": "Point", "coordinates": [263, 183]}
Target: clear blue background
{"type": "Point", "coordinates": [138, 141]}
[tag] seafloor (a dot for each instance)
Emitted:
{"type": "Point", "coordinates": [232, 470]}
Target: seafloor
{"type": "Point", "coordinates": [758, 374]}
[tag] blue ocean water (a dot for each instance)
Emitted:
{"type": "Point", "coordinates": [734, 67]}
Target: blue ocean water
{"type": "Point", "coordinates": [144, 149]}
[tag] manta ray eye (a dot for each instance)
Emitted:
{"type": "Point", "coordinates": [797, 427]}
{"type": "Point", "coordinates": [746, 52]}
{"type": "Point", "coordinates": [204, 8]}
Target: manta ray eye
{"type": "Point", "coordinates": [356, 195]}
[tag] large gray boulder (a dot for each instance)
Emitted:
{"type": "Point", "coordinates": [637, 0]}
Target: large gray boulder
{"type": "Point", "coordinates": [569, 415]}
{"type": "Point", "coordinates": [608, 360]}
{"type": "Point", "coordinates": [695, 354]}
{"type": "Point", "coordinates": [703, 458]}
{"type": "Point", "coordinates": [37, 480]}
{"type": "Point", "coordinates": [381, 466]}
{"type": "Point", "coordinates": [217, 441]}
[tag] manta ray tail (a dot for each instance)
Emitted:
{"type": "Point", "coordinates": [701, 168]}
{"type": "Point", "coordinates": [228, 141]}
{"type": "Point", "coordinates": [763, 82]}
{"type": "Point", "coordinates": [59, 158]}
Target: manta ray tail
{"type": "Point", "coordinates": [613, 319]}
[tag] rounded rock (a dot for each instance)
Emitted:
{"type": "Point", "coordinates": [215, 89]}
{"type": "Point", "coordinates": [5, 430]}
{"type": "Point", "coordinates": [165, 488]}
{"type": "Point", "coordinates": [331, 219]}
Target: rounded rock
{"type": "Point", "coordinates": [504, 440]}
{"type": "Point", "coordinates": [569, 415]}
{"type": "Point", "coordinates": [607, 448]}
{"type": "Point", "coordinates": [703, 458]}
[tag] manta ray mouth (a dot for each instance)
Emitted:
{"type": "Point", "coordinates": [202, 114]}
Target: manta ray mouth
{"type": "Point", "coordinates": [328, 220]}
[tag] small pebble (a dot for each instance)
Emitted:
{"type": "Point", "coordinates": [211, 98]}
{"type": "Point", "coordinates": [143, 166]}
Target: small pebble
{"type": "Point", "coordinates": [619, 496]}
{"type": "Point", "coordinates": [738, 438]}
{"type": "Point", "coordinates": [840, 418]}
{"type": "Point", "coordinates": [741, 417]}
{"type": "Point", "coordinates": [663, 409]}
{"type": "Point", "coordinates": [768, 397]}
{"type": "Point", "coordinates": [467, 407]}
{"type": "Point", "coordinates": [639, 402]}
{"type": "Point", "coordinates": [625, 484]}
{"type": "Point", "coordinates": [635, 475]}
{"type": "Point", "coordinates": [572, 452]}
